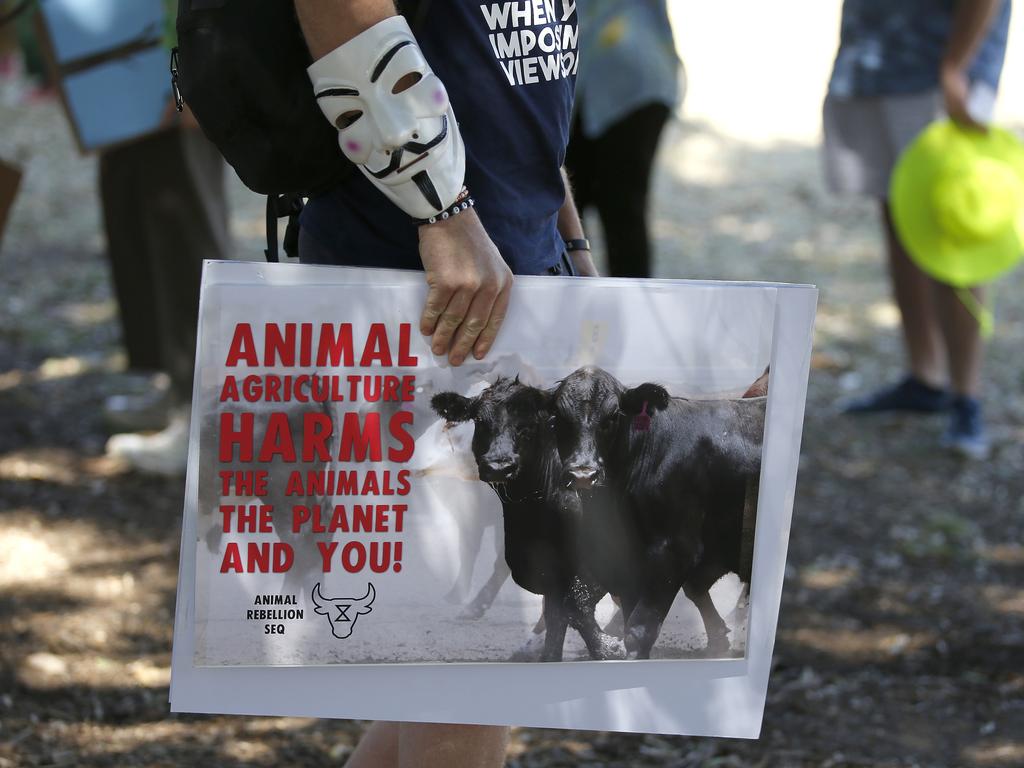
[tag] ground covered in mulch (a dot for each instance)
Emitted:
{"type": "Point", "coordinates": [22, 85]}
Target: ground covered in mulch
{"type": "Point", "coordinates": [901, 639]}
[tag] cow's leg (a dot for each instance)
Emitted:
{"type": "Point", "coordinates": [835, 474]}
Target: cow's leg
{"type": "Point", "coordinates": [667, 563]}
{"type": "Point", "coordinates": [479, 605]}
{"type": "Point", "coordinates": [539, 627]}
{"type": "Point", "coordinates": [583, 601]}
{"type": "Point", "coordinates": [718, 632]}
{"type": "Point", "coordinates": [469, 548]}
{"type": "Point", "coordinates": [556, 619]}
{"type": "Point", "coordinates": [532, 649]}
{"type": "Point", "coordinates": [644, 623]}
{"type": "Point", "coordinates": [627, 603]}
{"type": "Point", "coordinates": [617, 625]}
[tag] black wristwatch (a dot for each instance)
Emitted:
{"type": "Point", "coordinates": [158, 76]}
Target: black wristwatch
{"type": "Point", "coordinates": [580, 244]}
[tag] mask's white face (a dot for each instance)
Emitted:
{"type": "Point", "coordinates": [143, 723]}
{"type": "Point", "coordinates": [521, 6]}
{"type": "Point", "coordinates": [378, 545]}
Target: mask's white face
{"type": "Point", "coordinates": [393, 117]}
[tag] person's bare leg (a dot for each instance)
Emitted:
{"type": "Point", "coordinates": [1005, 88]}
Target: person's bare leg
{"type": "Point", "coordinates": [430, 745]}
{"type": "Point", "coordinates": [378, 748]}
{"type": "Point", "coordinates": [425, 745]}
{"type": "Point", "coordinates": [966, 433]}
{"type": "Point", "coordinates": [914, 295]}
{"type": "Point", "coordinates": [962, 335]}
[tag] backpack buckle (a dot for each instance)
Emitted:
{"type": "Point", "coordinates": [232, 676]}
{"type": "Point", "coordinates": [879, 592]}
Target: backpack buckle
{"type": "Point", "coordinates": [179, 103]}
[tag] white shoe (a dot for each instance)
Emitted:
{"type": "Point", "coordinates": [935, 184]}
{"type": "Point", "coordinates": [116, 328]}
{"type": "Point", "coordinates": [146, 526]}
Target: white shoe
{"type": "Point", "coordinates": [146, 411]}
{"type": "Point", "coordinates": [161, 453]}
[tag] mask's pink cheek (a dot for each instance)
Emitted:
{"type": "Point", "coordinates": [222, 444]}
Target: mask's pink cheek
{"type": "Point", "coordinates": [353, 146]}
{"type": "Point", "coordinates": [439, 97]}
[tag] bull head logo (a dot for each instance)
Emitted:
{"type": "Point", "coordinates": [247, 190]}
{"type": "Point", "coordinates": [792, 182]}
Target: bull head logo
{"type": "Point", "coordinates": [342, 612]}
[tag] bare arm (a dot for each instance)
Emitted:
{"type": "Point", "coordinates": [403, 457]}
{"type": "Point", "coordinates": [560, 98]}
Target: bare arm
{"type": "Point", "coordinates": [571, 228]}
{"type": "Point", "coordinates": [971, 22]}
{"type": "Point", "coordinates": [326, 24]}
{"type": "Point", "coordinates": [468, 282]}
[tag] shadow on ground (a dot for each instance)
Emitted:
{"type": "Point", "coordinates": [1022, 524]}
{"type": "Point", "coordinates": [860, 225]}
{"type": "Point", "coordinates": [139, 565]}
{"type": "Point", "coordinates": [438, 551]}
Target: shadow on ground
{"type": "Point", "coordinates": [902, 624]}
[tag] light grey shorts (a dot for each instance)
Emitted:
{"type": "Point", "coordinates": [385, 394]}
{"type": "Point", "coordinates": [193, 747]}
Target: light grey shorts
{"type": "Point", "coordinates": [865, 136]}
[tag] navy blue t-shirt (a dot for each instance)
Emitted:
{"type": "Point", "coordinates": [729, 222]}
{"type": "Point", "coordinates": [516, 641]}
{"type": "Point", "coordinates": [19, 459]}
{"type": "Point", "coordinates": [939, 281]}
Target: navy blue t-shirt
{"type": "Point", "coordinates": [513, 102]}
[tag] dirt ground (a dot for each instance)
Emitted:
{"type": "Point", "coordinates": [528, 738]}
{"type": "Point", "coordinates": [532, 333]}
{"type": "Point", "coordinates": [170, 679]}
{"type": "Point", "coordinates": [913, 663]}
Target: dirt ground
{"type": "Point", "coordinates": [901, 639]}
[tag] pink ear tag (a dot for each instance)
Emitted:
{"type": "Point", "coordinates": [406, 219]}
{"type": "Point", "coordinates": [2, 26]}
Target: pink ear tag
{"type": "Point", "coordinates": [642, 421]}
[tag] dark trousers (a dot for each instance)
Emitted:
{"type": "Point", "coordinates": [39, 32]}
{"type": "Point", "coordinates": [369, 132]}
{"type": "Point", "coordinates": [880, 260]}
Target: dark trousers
{"type": "Point", "coordinates": [612, 172]}
{"type": "Point", "coordinates": [165, 211]}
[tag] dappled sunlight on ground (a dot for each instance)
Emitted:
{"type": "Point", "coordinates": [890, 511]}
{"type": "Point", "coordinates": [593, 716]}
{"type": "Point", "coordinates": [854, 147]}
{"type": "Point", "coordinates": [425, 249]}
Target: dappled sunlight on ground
{"type": "Point", "coordinates": [996, 753]}
{"type": "Point", "coordinates": [902, 629]}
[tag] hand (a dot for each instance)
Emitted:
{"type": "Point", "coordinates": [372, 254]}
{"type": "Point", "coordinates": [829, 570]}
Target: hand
{"type": "Point", "coordinates": [955, 92]}
{"type": "Point", "coordinates": [583, 263]}
{"type": "Point", "coordinates": [469, 286]}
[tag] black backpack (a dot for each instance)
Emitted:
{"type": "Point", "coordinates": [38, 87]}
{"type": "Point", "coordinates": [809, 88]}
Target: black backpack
{"type": "Point", "coordinates": [240, 65]}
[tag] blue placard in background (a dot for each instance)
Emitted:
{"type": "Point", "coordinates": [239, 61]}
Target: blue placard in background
{"type": "Point", "coordinates": [80, 28]}
{"type": "Point", "coordinates": [121, 99]}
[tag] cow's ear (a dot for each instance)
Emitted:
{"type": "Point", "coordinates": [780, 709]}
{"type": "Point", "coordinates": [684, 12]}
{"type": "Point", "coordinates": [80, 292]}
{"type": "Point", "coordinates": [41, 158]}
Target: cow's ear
{"type": "Point", "coordinates": [646, 398]}
{"type": "Point", "coordinates": [452, 407]}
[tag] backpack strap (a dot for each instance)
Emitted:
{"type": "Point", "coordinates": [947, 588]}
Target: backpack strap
{"type": "Point", "coordinates": [278, 207]}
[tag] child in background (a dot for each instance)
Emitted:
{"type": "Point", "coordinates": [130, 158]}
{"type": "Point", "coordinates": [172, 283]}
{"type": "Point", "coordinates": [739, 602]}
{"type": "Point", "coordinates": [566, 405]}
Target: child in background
{"type": "Point", "coordinates": [899, 67]}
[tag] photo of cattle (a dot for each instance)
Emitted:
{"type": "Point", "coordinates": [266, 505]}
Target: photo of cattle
{"type": "Point", "coordinates": [589, 496]}
{"type": "Point", "coordinates": [628, 492]}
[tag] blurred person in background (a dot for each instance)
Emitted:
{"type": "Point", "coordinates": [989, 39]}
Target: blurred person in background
{"type": "Point", "coordinates": [899, 67]}
{"type": "Point", "coordinates": [164, 211]}
{"type": "Point", "coordinates": [627, 87]}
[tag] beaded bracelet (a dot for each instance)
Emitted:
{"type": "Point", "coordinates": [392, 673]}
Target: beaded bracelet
{"type": "Point", "coordinates": [462, 202]}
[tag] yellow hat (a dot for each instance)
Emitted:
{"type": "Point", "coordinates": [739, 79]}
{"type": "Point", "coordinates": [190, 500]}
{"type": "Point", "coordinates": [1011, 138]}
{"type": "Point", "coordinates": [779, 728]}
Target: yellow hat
{"type": "Point", "coordinates": [957, 200]}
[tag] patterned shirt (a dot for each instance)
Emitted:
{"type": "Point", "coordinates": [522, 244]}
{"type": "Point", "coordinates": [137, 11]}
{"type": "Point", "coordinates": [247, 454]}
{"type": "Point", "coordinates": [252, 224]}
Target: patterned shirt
{"type": "Point", "coordinates": [895, 47]}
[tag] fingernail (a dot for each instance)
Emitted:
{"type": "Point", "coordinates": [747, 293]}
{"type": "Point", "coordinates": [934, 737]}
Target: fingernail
{"type": "Point", "coordinates": [457, 361]}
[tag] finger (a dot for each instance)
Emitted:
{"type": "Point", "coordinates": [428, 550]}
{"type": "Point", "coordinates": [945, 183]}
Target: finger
{"type": "Point", "coordinates": [450, 320]}
{"type": "Point", "coordinates": [963, 119]}
{"type": "Point", "coordinates": [487, 336]}
{"type": "Point", "coordinates": [476, 321]}
{"type": "Point", "coordinates": [438, 298]}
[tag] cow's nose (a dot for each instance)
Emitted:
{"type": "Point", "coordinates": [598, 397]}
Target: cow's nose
{"type": "Point", "coordinates": [501, 466]}
{"type": "Point", "coordinates": [583, 477]}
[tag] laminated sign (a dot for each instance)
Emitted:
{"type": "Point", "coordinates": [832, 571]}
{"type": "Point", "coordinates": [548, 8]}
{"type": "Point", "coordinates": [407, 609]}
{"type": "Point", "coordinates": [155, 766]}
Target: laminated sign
{"type": "Point", "coordinates": [587, 529]}
{"type": "Point", "coordinates": [110, 65]}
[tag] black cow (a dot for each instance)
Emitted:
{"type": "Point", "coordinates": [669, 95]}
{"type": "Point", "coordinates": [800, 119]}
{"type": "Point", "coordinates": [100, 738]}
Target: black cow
{"type": "Point", "coordinates": [678, 473]}
{"type": "Point", "coordinates": [516, 455]}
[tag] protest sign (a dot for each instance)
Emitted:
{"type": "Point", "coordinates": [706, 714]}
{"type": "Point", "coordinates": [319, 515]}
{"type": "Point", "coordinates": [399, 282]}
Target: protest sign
{"type": "Point", "coordinates": [366, 526]}
{"type": "Point", "coordinates": [108, 60]}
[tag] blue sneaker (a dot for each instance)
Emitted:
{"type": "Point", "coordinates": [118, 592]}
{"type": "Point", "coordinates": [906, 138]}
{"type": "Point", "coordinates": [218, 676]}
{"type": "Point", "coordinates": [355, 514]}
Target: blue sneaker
{"type": "Point", "coordinates": [966, 432]}
{"type": "Point", "coordinates": [911, 394]}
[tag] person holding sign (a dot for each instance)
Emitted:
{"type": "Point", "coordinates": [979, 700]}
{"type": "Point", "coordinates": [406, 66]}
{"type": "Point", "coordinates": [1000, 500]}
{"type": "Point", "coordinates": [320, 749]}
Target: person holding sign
{"type": "Point", "coordinates": [897, 70]}
{"type": "Point", "coordinates": [460, 150]}
{"type": "Point", "coordinates": [459, 143]}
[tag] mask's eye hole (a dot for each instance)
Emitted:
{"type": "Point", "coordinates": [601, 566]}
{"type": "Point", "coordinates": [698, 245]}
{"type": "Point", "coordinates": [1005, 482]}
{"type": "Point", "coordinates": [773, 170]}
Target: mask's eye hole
{"type": "Point", "coordinates": [406, 82]}
{"type": "Point", "coordinates": [347, 119]}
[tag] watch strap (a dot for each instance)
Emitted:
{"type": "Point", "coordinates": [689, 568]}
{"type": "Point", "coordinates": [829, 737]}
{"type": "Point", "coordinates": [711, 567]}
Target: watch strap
{"type": "Point", "coordinates": [578, 244]}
